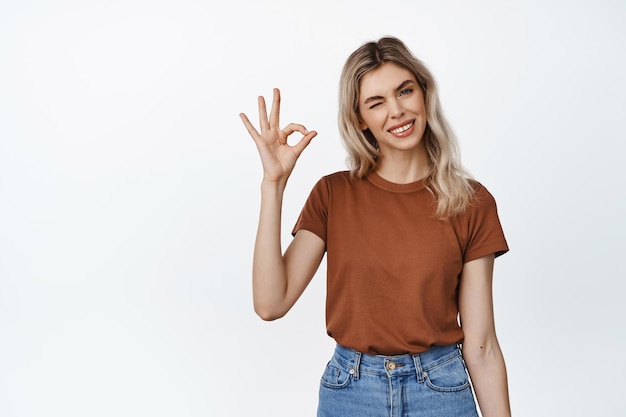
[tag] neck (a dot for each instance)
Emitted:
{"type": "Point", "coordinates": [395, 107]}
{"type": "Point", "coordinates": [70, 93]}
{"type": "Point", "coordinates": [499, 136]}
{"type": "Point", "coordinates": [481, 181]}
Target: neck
{"type": "Point", "coordinates": [403, 169]}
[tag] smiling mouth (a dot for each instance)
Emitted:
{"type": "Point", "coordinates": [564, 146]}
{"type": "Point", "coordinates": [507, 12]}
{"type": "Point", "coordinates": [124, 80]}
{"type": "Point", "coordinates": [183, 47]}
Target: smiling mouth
{"type": "Point", "coordinates": [403, 128]}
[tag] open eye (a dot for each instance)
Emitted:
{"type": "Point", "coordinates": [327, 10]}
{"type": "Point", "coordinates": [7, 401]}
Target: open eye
{"type": "Point", "coordinates": [406, 91]}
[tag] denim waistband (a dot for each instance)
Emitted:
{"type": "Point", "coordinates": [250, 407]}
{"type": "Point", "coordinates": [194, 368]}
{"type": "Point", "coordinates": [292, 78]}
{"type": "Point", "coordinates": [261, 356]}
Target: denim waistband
{"type": "Point", "coordinates": [417, 363]}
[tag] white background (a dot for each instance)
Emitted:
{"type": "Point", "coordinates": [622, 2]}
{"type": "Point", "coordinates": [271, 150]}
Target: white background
{"type": "Point", "coordinates": [129, 194]}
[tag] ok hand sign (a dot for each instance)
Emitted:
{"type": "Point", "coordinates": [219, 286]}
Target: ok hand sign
{"type": "Point", "coordinates": [277, 156]}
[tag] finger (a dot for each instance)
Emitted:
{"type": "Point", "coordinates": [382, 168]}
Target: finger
{"type": "Point", "coordinates": [251, 130]}
{"type": "Point", "coordinates": [304, 142]}
{"type": "Point", "coordinates": [294, 127]}
{"type": "Point", "coordinates": [263, 115]}
{"type": "Point", "coordinates": [275, 112]}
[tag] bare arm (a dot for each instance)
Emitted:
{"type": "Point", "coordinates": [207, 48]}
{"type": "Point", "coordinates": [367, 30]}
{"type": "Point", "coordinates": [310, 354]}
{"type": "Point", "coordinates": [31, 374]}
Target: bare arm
{"type": "Point", "coordinates": [279, 279]}
{"type": "Point", "coordinates": [481, 349]}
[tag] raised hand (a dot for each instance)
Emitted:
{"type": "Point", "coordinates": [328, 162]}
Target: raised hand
{"type": "Point", "coordinates": [277, 156]}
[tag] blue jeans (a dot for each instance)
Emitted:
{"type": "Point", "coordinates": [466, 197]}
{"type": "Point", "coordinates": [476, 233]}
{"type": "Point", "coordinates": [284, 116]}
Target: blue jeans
{"type": "Point", "coordinates": [430, 384]}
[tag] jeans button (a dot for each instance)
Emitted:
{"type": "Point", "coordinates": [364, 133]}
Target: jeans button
{"type": "Point", "coordinates": [391, 366]}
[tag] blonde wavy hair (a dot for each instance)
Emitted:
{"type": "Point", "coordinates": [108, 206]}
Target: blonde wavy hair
{"type": "Point", "coordinates": [447, 179]}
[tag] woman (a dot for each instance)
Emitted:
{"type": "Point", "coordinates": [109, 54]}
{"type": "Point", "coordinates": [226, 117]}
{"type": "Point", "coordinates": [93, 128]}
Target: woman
{"type": "Point", "coordinates": [410, 242]}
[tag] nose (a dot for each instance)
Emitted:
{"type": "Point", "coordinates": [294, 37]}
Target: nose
{"type": "Point", "coordinates": [395, 109]}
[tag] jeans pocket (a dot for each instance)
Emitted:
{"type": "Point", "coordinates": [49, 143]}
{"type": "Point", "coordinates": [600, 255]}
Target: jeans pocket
{"type": "Point", "coordinates": [335, 376]}
{"type": "Point", "coordinates": [449, 376]}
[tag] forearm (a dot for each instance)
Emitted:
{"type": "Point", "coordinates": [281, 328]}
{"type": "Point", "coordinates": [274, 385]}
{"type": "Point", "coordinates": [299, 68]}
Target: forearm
{"type": "Point", "coordinates": [487, 370]}
{"type": "Point", "coordinates": [269, 278]}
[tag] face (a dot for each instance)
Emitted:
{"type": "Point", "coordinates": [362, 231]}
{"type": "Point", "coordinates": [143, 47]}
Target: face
{"type": "Point", "coordinates": [391, 106]}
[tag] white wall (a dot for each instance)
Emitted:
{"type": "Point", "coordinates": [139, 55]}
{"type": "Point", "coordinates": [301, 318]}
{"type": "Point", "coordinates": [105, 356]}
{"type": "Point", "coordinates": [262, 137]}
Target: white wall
{"type": "Point", "coordinates": [129, 194]}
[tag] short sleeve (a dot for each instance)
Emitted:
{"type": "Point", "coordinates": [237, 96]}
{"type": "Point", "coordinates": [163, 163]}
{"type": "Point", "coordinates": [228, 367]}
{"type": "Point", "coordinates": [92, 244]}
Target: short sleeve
{"type": "Point", "coordinates": [314, 214]}
{"type": "Point", "coordinates": [484, 231]}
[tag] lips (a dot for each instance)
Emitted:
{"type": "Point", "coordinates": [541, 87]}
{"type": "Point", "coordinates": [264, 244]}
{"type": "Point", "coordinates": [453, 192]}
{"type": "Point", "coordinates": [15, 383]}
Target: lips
{"type": "Point", "coordinates": [403, 129]}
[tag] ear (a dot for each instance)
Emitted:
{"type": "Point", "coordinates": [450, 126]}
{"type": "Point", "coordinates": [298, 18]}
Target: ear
{"type": "Point", "coordinates": [362, 125]}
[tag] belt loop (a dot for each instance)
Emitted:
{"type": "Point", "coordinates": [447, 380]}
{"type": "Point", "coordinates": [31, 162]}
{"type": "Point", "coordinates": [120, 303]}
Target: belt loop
{"type": "Point", "coordinates": [418, 368]}
{"type": "Point", "coordinates": [357, 364]}
{"type": "Point", "coordinates": [459, 349]}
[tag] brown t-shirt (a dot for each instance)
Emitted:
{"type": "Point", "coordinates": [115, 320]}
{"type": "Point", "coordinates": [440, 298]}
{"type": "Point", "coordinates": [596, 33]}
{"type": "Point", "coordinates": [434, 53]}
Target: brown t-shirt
{"type": "Point", "coordinates": [393, 268]}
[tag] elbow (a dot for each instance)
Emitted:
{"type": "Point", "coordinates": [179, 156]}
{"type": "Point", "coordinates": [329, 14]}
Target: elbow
{"type": "Point", "coordinates": [268, 316]}
{"type": "Point", "coordinates": [269, 305]}
{"type": "Point", "coordinates": [480, 351]}
{"type": "Point", "coordinates": [267, 313]}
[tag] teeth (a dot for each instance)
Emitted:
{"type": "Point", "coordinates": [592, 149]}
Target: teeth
{"type": "Point", "coordinates": [403, 128]}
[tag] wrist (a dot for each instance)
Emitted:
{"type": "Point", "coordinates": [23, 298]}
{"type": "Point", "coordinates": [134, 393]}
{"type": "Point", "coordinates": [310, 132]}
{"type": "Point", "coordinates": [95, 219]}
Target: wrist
{"type": "Point", "coordinates": [273, 185]}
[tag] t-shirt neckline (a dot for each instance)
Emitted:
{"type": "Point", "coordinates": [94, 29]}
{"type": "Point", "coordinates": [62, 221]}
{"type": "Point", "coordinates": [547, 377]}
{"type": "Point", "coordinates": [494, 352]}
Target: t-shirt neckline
{"type": "Point", "coordinates": [393, 187]}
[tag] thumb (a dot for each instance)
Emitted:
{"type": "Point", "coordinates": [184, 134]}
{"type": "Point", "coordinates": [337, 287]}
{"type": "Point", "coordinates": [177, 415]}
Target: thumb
{"type": "Point", "coordinates": [304, 142]}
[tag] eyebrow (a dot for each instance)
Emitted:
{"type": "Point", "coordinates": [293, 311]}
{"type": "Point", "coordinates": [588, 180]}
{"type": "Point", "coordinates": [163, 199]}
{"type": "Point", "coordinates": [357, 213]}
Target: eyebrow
{"type": "Point", "coordinates": [398, 88]}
